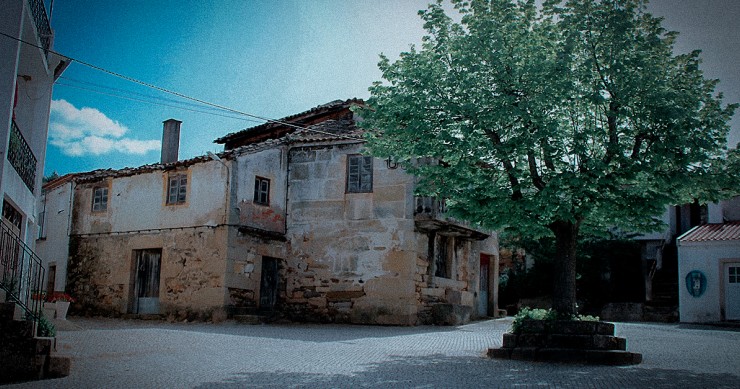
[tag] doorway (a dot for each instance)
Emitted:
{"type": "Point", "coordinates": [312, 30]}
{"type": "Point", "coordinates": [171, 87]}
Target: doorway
{"type": "Point", "coordinates": [485, 265]}
{"type": "Point", "coordinates": [146, 290]}
{"type": "Point", "coordinates": [269, 283]}
{"type": "Point", "coordinates": [731, 277]}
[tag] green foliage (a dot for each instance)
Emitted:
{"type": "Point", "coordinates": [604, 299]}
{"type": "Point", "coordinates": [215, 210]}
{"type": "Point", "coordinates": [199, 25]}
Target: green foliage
{"type": "Point", "coordinates": [46, 328]}
{"type": "Point", "coordinates": [530, 320]}
{"type": "Point", "coordinates": [576, 116]}
{"type": "Point", "coordinates": [577, 112]}
{"type": "Point", "coordinates": [51, 177]}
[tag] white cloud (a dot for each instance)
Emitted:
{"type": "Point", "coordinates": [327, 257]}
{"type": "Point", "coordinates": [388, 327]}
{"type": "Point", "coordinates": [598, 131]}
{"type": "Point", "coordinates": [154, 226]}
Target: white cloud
{"type": "Point", "coordinates": [86, 131]}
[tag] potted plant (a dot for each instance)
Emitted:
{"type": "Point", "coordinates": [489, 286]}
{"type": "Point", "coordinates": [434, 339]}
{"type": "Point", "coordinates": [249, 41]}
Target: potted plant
{"type": "Point", "coordinates": [61, 301]}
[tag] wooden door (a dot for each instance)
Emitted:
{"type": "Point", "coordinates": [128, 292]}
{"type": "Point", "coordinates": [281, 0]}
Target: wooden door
{"type": "Point", "coordinates": [269, 283]}
{"type": "Point", "coordinates": [148, 264]}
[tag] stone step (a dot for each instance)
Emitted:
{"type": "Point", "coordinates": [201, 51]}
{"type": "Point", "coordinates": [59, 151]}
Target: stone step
{"type": "Point", "coordinates": [568, 355]}
{"type": "Point", "coordinates": [59, 366]}
{"type": "Point", "coordinates": [16, 329]}
{"type": "Point", "coordinates": [250, 319]}
{"type": "Point", "coordinates": [571, 341]}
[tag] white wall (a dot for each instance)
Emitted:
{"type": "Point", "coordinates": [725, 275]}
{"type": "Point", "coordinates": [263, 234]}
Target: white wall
{"type": "Point", "coordinates": [138, 202]}
{"type": "Point", "coordinates": [270, 164]}
{"type": "Point", "coordinates": [53, 246]}
{"type": "Point", "coordinates": [704, 257]}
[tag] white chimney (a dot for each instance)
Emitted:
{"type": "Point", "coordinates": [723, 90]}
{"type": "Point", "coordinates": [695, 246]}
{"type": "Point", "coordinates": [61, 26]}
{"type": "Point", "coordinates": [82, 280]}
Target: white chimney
{"type": "Point", "coordinates": [170, 140]}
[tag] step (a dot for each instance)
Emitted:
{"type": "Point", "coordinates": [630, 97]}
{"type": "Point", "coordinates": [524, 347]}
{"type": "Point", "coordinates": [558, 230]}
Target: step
{"type": "Point", "coordinates": [568, 355]}
{"type": "Point", "coordinates": [10, 311]}
{"type": "Point", "coordinates": [250, 319]}
{"type": "Point", "coordinates": [59, 366]}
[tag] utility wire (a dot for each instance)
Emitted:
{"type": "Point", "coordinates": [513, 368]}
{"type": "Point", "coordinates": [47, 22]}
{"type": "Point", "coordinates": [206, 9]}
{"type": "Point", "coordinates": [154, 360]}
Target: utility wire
{"type": "Point", "coordinates": [92, 84]}
{"type": "Point", "coordinates": [154, 102]}
{"type": "Point", "coordinates": [178, 94]}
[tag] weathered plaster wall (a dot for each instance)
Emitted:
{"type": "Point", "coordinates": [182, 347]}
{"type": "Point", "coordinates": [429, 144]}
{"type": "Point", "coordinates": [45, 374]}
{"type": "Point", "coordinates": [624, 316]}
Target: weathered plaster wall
{"type": "Point", "coordinates": [269, 164]}
{"type": "Point", "coordinates": [192, 282]}
{"type": "Point", "coordinates": [138, 202]}
{"type": "Point", "coordinates": [53, 246]}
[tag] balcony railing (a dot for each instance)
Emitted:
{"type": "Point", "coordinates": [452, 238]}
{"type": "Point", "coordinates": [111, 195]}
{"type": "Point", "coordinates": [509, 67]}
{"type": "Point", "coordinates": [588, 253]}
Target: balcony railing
{"type": "Point", "coordinates": [430, 214]}
{"type": "Point", "coordinates": [430, 206]}
{"type": "Point", "coordinates": [43, 27]}
{"type": "Point", "coordinates": [21, 157]}
{"type": "Point", "coordinates": [22, 272]}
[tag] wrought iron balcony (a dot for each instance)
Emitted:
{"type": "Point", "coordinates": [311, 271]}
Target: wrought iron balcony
{"type": "Point", "coordinates": [43, 28]}
{"type": "Point", "coordinates": [430, 215]}
{"type": "Point", "coordinates": [21, 157]}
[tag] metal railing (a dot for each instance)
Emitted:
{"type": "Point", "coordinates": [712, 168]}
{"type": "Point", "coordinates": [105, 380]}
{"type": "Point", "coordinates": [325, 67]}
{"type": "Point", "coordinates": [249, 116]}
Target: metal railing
{"type": "Point", "coordinates": [430, 206]}
{"type": "Point", "coordinates": [43, 28]}
{"type": "Point", "coordinates": [21, 157]}
{"type": "Point", "coordinates": [22, 273]}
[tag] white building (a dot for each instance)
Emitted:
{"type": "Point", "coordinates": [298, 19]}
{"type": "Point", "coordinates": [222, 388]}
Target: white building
{"type": "Point", "coordinates": [709, 267]}
{"type": "Point", "coordinates": [27, 73]}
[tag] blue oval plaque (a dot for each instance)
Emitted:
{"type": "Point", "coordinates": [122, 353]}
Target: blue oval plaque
{"type": "Point", "coordinates": [696, 283]}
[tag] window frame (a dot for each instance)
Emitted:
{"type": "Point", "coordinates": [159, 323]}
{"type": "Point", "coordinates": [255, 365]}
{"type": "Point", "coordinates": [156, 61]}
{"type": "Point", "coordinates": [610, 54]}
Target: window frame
{"type": "Point", "coordinates": [359, 173]}
{"type": "Point", "coordinates": [261, 194]}
{"type": "Point", "coordinates": [103, 199]}
{"type": "Point", "coordinates": [181, 195]}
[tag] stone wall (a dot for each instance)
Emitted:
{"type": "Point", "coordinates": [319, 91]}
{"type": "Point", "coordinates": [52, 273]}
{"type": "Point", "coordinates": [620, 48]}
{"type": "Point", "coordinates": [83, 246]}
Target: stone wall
{"type": "Point", "coordinates": [101, 272]}
{"type": "Point", "coordinates": [352, 256]}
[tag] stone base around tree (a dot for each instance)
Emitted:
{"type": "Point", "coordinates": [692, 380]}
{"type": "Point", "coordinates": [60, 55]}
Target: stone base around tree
{"type": "Point", "coordinates": [567, 342]}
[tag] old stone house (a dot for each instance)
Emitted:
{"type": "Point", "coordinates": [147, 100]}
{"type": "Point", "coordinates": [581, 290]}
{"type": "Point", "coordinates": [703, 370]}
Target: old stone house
{"type": "Point", "coordinates": [292, 218]}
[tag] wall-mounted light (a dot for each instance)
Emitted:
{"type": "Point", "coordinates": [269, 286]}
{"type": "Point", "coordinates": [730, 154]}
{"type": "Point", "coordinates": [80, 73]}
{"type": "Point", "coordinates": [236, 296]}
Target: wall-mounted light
{"type": "Point", "coordinates": [389, 162]}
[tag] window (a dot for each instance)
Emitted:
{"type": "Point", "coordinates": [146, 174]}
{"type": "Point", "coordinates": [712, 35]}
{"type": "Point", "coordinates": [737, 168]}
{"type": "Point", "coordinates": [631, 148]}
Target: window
{"type": "Point", "coordinates": [734, 274]}
{"type": "Point", "coordinates": [261, 191]}
{"type": "Point", "coordinates": [100, 199]}
{"type": "Point", "coordinates": [359, 174]}
{"type": "Point", "coordinates": [177, 189]}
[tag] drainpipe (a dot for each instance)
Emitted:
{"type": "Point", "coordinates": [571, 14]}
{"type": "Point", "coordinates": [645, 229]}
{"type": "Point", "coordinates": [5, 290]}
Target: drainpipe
{"type": "Point", "coordinates": [287, 184]}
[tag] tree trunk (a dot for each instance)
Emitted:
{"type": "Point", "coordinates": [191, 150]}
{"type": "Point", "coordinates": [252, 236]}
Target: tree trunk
{"type": "Point", "coordinates": [564, 267]}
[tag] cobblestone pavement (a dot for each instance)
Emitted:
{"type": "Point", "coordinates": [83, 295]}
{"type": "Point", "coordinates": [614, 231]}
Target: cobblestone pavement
{"type": "Point", "coordinates": [111, 353]}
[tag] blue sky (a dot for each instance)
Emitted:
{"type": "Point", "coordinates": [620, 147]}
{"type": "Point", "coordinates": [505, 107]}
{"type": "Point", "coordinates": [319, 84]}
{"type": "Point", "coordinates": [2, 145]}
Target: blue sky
{"type": "Point", "coordinates": [271, 59]}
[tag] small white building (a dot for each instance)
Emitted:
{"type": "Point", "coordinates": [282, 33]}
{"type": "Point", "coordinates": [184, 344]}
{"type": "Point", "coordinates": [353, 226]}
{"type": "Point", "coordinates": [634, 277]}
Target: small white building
{"type": "Point", "coordinates": [709, 268]}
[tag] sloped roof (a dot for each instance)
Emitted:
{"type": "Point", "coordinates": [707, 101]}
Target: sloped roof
{"type": "Point", "coordinates": [713, 233]}
{"type": "Point", "coordinates": [59, 181]}
{"type": "Point", "coordinates": [298, 119]}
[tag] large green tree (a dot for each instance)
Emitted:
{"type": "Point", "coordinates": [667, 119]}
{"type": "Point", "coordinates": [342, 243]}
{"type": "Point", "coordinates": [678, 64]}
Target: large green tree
{"type": "Point", "coordinates": [565, 118]}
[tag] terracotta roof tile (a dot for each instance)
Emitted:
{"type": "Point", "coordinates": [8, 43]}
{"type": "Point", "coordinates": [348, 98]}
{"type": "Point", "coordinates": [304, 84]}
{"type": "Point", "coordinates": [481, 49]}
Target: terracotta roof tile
{"type": "Point", "coordinates": [713, 233]}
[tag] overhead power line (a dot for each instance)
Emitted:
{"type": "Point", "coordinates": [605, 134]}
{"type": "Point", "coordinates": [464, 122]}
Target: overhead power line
{"type": "Point", "coordinates": [181, 95]}
{"type": "Point", "coordinates": [152, 100]}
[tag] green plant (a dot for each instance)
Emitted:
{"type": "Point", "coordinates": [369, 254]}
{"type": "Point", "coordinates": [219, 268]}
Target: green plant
{"type": "Point", "coordinates": [46, 328]}
{"type": "Point", "coordinates": [529, 319]}
{"type": "Point", "coordinates": [539, 320]}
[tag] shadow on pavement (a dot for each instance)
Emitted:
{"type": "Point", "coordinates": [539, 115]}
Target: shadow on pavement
{"type": "Point", "coordinates": [294, 331]}
{"type": "Point", "coordinates": [440, 371]}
